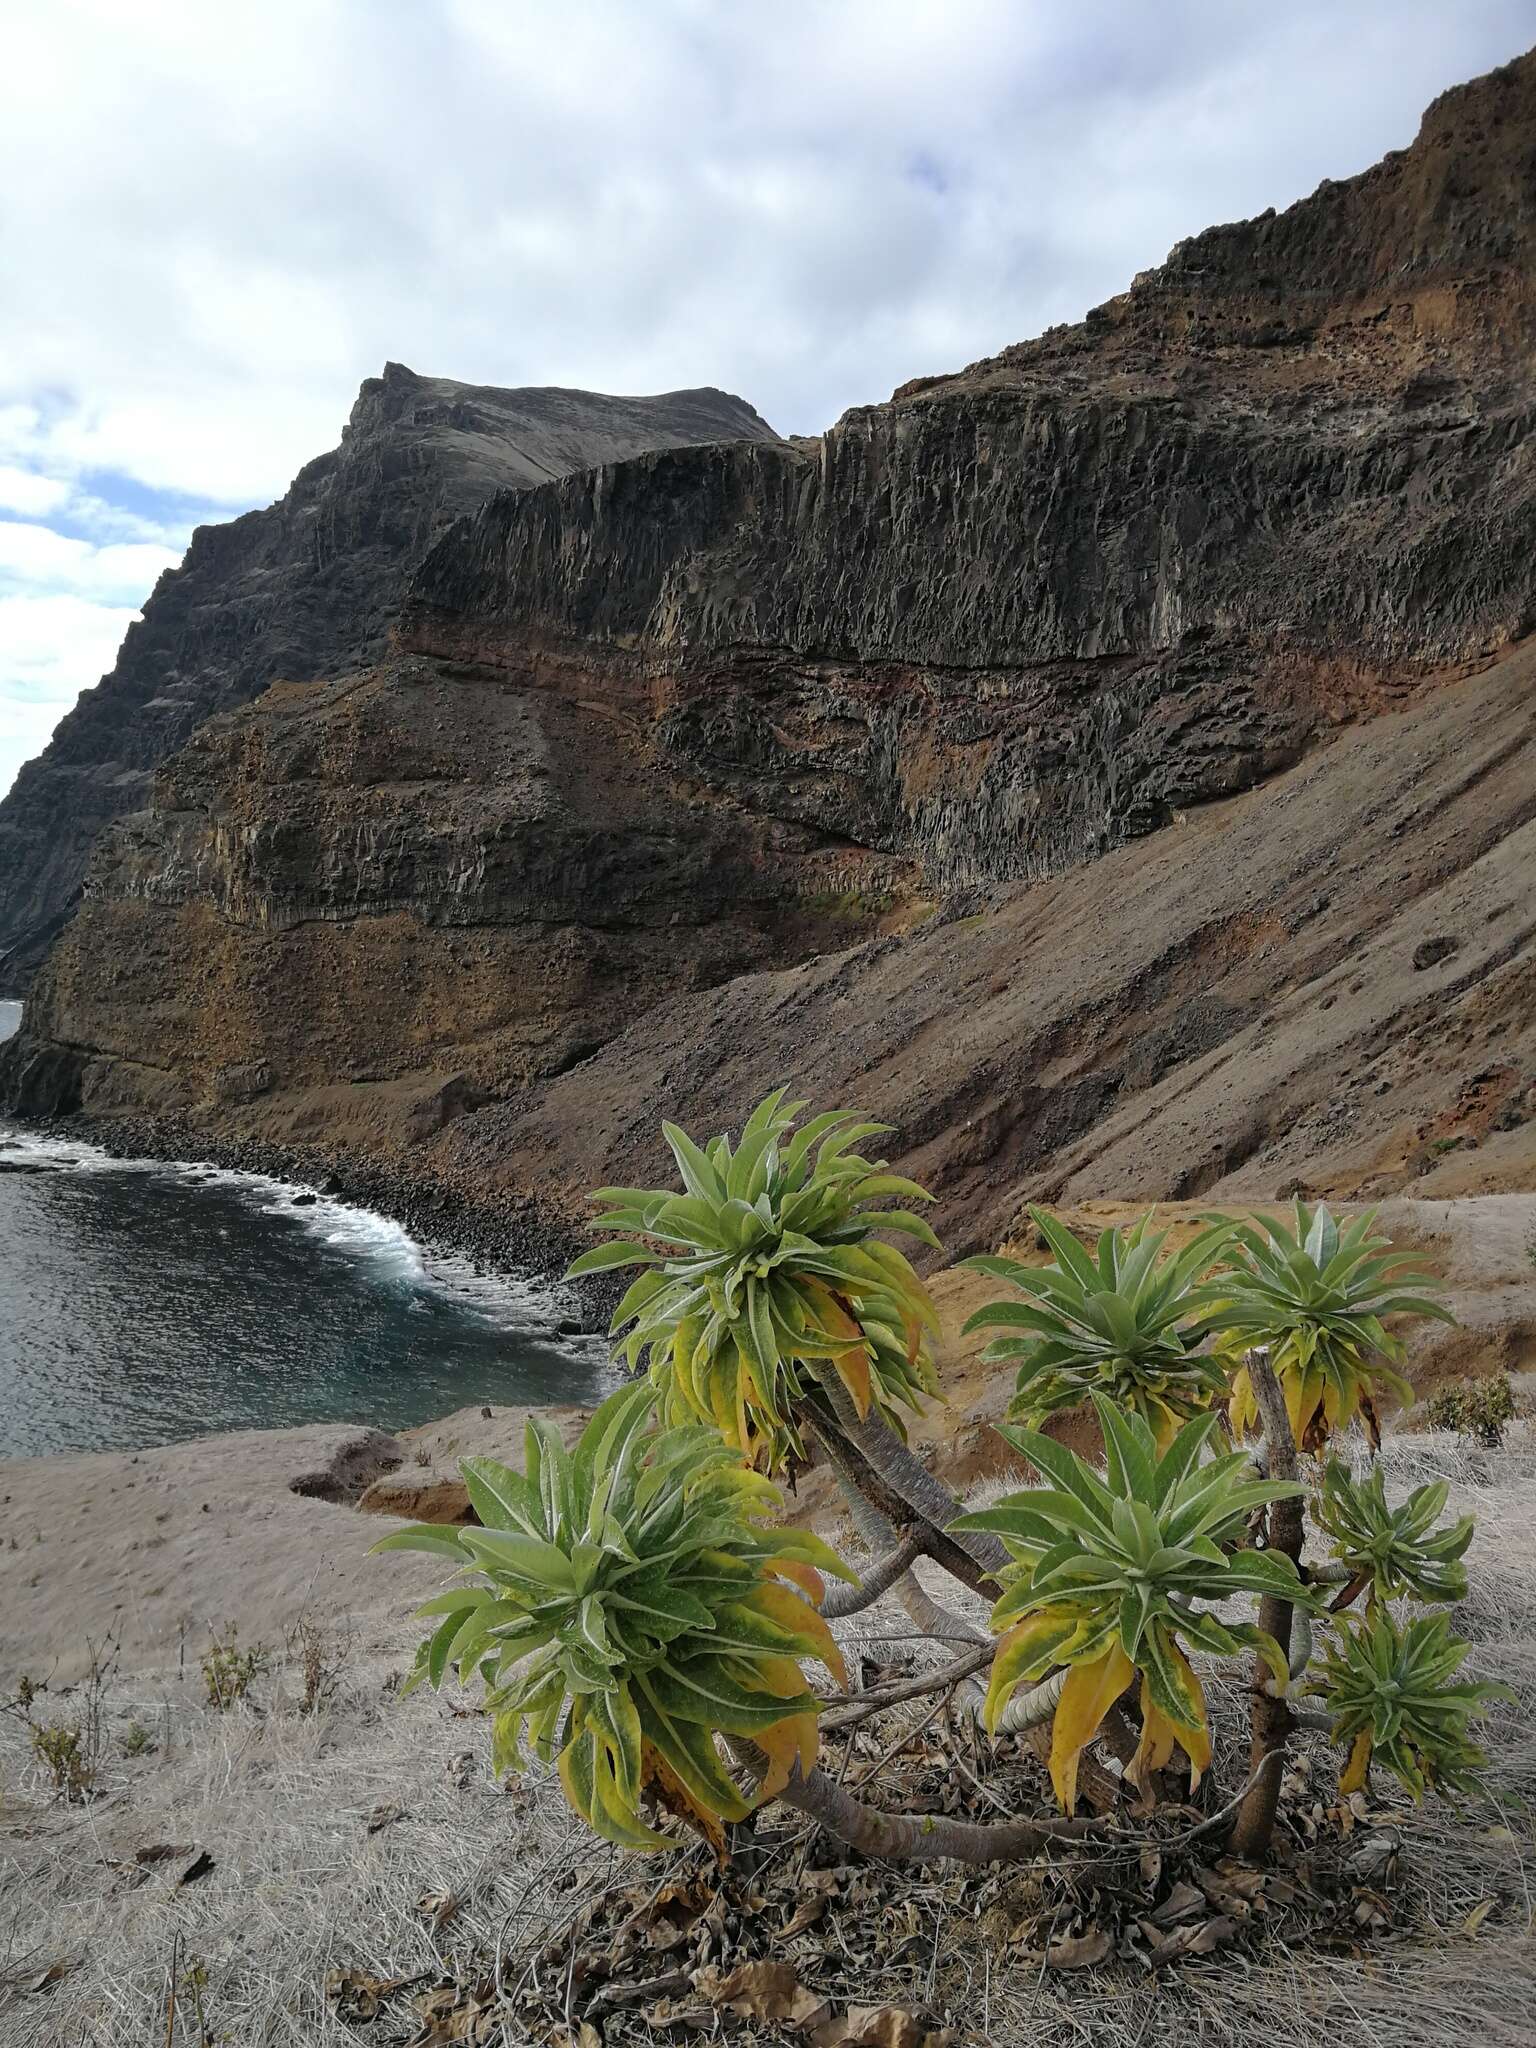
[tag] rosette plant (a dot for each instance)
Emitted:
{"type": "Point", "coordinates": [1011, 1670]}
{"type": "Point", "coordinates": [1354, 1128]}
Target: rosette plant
{"type": "Point", "coordinates": [1395, 1700]}
{"type": "Point", "coordinates": [1121, 1321]}
{"type": "Point", "coordinates": [1115, 1576]}
{"type": "Point", "coordinates": [1392, 1552]}
{"type": "Point", "coordinates": [638, 1618]}
{"type": "Point", "coordinates": [627, 1604]}
{"type": "Point", "coordinates": [765, 1270]}
{"type": "Point", "coordinates": [1314, 1296]}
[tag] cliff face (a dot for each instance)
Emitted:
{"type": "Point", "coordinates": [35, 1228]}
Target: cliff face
{"type": "Point", "coordinates": [308, 587]}
{"type": "Point", "coordinates": [692, 717]}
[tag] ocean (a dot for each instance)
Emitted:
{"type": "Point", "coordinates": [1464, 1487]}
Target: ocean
{"type": "Point", "coordinates": [142, 1304]}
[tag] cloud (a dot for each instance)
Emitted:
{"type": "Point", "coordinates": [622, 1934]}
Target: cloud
{"type": "Point", "coordinates": [53, 646]}
{"type": "Point", "coordinates": [23, 490]}
{"type": "Point", "coordinates": [218, 220]}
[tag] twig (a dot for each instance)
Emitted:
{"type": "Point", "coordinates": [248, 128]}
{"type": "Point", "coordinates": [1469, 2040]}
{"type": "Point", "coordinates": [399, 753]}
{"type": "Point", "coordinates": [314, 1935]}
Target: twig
{"type": "Point", "coordinates": [170, 1996]}
{"type": "Point", "coordinates": [947, 1675]}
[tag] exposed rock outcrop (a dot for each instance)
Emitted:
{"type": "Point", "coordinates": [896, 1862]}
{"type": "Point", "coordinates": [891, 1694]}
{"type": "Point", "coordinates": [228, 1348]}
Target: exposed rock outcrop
{"type": "Point", "coordinates": [306, 588]}
{"type": "Point", "coordinates": [676, 724]}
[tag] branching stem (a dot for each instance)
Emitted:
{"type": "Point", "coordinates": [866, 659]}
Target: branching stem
{"type": "Point", "coordinates": [1271, 1717]}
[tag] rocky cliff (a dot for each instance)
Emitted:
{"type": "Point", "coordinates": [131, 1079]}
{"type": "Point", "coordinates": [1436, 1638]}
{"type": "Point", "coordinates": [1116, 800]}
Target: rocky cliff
{"type": "Point", "coordinates": [694, 721]}
{"type": "Point", "coordinates": [309, 587]}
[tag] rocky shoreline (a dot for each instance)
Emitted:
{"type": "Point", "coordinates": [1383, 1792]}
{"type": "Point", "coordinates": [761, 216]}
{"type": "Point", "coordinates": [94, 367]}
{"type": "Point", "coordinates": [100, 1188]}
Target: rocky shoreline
{"type": "Point", "coordinates": [501, 1235]}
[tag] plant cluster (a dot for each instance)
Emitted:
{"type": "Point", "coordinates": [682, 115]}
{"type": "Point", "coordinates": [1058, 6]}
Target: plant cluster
{"type": "Point", "coordinates": [638, 1618]}
{"type": "Point", "coordinates": [1480, 1410]}
{"type": "Point", "coordinates": [229, 1671]}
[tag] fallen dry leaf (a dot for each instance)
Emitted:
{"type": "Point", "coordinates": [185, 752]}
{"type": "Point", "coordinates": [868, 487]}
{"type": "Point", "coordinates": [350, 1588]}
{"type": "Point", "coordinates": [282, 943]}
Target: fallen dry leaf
{"type": "Point", "coordinates": [359, 1994]}
{"type": "Point", "coordinates": [880, 2026]}
{"type": "Point", "coordinates": [1193, 1939]}
{"type": "Point", "coordinates": [44, 1980]}
{"type": "Point", "coordinates": [1080, 1951]}
{"type": "Point", "coordinates": [764, 1991]}
{"type": "Point", "coordinates": [1184, 1901]}
{"type": "Point", "coordinates": [453, 2014]}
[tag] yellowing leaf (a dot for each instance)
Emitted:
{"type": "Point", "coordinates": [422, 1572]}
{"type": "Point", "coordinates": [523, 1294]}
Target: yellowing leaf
{"type": "Point", "coordinates": [786, 1743]}
{"type": "Point", "coordinates": [853, 1371]}
{"type": "Point", "coordinates": [1089, 1693]}
{"type": "Point", "coordinates": [805, 1576]}
{"type": "Point", "coordinates": [1353, 1776]}
{"type": "Point", "coordinates": [1022, 1651]}
{"type": "Point", "coordinates": [1157, 1739]}
{"type": "Point", "coordinates": [790, 1610]}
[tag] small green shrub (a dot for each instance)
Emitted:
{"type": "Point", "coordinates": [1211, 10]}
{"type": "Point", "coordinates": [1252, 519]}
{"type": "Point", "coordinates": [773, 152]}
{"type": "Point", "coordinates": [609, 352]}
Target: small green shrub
{"type": "Point", "coordinates": [62, 1753]}
{"type": "Point", "coordinates": [1393, 1697]}
{"type": "Point", "coordinates": [137, 1740]}
{"type": "Point", "coordinates": [1476, 1409]}
{"type": "Point", "coordinates": [228, 1671]}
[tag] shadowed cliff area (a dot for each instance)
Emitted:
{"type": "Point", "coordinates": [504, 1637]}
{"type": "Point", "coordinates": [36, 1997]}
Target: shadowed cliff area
{"type": "Point", "coordinates": [721, 766]}
{"type": "Point", "coordinates": [305, 588]}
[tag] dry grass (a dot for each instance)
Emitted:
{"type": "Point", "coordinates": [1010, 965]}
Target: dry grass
{"type": "Point", "coordinates": [302, 1882]}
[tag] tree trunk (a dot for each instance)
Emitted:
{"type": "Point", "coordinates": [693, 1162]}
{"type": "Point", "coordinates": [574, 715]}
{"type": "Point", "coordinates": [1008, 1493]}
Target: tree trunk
{"type": "Point", "coordinates": [924, 1837]}
{"type": "Point", "coordinates": [902, 1487]}
{"type": "Point", "coordinates": [1272, 1721]}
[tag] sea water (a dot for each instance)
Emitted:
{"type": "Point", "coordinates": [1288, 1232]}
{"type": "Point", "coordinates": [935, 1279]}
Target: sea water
{"type": "Point", "coordinates": [142, 1303]}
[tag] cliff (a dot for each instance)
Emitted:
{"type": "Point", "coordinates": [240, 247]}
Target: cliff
{"type": "Point", "coordinates": [308, 587]}
{"type": "Point", "coordinates": [658, 742]}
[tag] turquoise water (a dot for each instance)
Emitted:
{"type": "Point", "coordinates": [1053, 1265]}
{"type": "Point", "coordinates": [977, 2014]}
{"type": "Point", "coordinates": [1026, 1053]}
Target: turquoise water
{"type": "Point", "coordinates": [142, 1303]}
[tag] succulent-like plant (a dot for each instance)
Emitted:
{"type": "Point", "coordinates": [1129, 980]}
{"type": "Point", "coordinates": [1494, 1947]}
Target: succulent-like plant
{"type": "Point", "coordinates": [1107, 1570]}
{"type": "Point", "coordinates": [1122, 1321]}
{"type": "Point", "coordinates": [765, 1271]}
{"type": "Point", "coordinates": [1394, 1701]}
{"type": "Point", "coordinates": [1315, 1296]}
{"type": "Point", "coordinates": [629, 1606]}
{"type": "Point", "coordinates": [1396, 1551]}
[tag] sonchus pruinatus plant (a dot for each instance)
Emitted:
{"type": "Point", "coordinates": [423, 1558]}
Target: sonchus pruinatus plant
{"type": "Point", "coordinates": [1314, 1296]}
{"type": "Point", "coordinates": [627, 1604]}
{"type": "Point", "coordinates": [1111, 1577]}
{"type": "Point", "coordinates": [1119, 1321]}
{"type": "Point", "coordinates": [766, 1270]}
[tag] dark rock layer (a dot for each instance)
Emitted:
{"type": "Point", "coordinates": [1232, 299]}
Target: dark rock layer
{"type": "Point", "coordinates": [308, 587]}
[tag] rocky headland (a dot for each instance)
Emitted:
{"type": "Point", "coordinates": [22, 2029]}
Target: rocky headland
{"type": "Point", "coordinates": [1111, 763]}
{"type": "Point", "coordinates": [307, 587]}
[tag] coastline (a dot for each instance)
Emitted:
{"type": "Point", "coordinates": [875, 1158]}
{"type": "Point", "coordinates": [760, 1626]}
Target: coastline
{"type": "Point", "coordinates": [509, 1237]}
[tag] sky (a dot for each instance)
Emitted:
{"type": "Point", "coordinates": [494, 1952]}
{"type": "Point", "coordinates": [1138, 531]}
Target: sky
{"type": "Point", "coordinates": [218, 219]}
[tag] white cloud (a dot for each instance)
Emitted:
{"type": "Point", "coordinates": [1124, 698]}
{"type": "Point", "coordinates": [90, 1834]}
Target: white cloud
{"type": "Point", "coordinates": [36, 556]}
{"type": "Point", "coordinates": [219, 219]}
{"type": "Point", "coordinates": [52, 648]}
{"type": "Point", "coordinates": [34, 496]}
